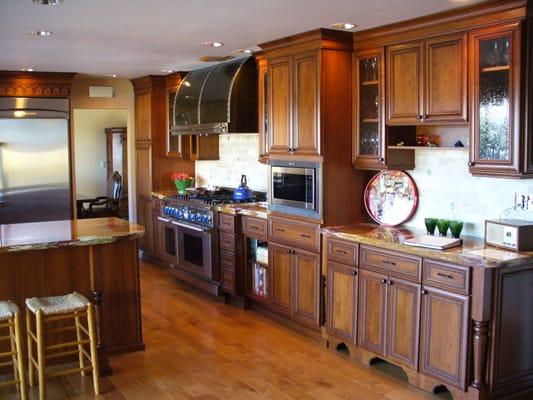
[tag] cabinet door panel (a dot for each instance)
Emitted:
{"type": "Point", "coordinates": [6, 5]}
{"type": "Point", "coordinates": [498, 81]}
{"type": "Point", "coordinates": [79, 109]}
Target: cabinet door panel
{"type": "Point", "coordinates": [444, 336]}
{"type": "Point", "coordinates": [403, 322]}
{"type": "Point", "coordinates": [341, 301]}
{"type": "Point", "coordinates": [446, 80]}
{"type": "Point", "coordinates": [372, 311]}
{"type": "Point", "coordinates": [306, 288]}
{"type": "Point", "coordinates": [280, 267]}
{"type": "Point", "coordinates": [279, 99]}
{"type": "Point", "coordinates": [404, 83]}
{"type": "Point", "coordinates": [305, 117]}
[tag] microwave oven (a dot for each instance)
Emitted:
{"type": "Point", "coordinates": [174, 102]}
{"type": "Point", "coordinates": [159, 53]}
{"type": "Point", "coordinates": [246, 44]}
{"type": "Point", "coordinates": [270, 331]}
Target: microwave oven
{"type": "Point", "coordinates": [295, 188]}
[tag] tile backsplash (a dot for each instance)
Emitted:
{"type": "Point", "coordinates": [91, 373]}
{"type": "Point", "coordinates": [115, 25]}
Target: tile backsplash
{"type": "Point", "coordinates": [238, 156]}
{"type": "Point", "coordinates": [448, 190]}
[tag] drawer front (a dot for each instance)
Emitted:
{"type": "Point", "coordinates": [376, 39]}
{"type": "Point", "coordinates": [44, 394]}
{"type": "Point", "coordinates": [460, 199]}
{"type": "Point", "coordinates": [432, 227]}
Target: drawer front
{"type": "Point", "coordinates": [392, 262]}
{"type": "Point", "coordinates": [226, 241]}
{"type": "Point", "coordinates": [300, 234]}
{"type": "Point", "coordinates": [227, 259]}
{"type": "Point", "coordinates": [228, 280]}
{"type": "Point", "coordinates": [447, 276]}
{"type": "Point", "coordinates": [226, 222]}
{"type": "Point", "coordinates": [255, 227]}
{"type": "Point", "coordinates": [343, 252]}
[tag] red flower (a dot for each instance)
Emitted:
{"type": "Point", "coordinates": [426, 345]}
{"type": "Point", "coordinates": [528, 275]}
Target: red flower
{"type": "Point", "coordinates": [179, 176]}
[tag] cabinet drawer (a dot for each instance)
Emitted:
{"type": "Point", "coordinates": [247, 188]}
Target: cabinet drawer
{"type": "Point", "coordinates": [301, 234]}
{"type": "Point", "coordinates": [228, 279]}
{"type": "Point", "coordinates": [255, 227]}
{"type": "Point", "coordinates": [447, 276]}
{"type": "Point", "coordinates": [227, 259]}
{"type": "Point", "coordinates": [343, 252]}
{"type": "Point", "coordinates": [226, 222]}
{"type": "Point", "coordinates": [227, 241]}
{"type": "Point", "coordinates": [392, 262]}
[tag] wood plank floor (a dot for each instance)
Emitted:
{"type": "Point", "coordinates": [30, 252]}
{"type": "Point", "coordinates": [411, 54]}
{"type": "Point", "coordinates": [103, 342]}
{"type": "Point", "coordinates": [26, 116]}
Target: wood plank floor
{"type": "Point", "coordinates": [199, 348]}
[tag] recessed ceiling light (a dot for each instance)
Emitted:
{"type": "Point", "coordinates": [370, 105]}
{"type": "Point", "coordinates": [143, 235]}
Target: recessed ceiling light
{"type": "Point", "coordinates": [40, 33]}
{"type": "Point", "coordinates": [28, 69]}
{"type": "Point", "coordinates": [48, 2]}
{"type": "Point", "coordinates": [112, 75]}
{"type": "Point", "coordinates": [240, 51]}
{"type": "Point", "coordinates": [187, 83]}
{"type": "Point", "coordinates": [212, 44]}
{"type": "Point", "coordinates": [343, 25]}
{"type": "Point", "coordinates": [167, 71]}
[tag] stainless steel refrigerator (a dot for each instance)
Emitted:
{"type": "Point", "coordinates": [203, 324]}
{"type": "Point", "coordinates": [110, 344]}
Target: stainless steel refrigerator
{"type": "Point", "coordinates": [34, 160]}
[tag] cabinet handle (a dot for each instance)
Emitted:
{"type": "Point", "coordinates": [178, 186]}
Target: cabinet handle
{"type": "Point", "coordinates": [383, 281]}
{"type": "Point", "coordinates": [341, 252]}
{"type": "Point", "coordinates": [305, 236]}
{"type": "Point", "coordinates": [449, 276]}
{"type": "Point", "coordinates": [254, 227]}
{"type": "Point", "coordinates": [471, 164]}
{"type": "Point", "coordinates": [387, 262]}
{"type": "Point", "coordinates": [425, 116]}
{"type": "Point", "coordinates": [354, 273]}
{"type": "Point", "coordinates": [279, 230]}
{"type": "Point", "coordinates": [381, 159]}
{"type": "Point", "coordinates": [390, 283]}
{"type": "Point", "coordinates": [418, 117]}
{"type": "Point", "coordinates": [424, 291]}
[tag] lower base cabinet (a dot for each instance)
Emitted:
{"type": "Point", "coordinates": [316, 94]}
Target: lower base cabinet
{"type": "Point", "coordinates": [372, 311]}
{"type": "Point", "coordinates": [443, 343]}
{"type": "Point", "coordinates": [280, 260]}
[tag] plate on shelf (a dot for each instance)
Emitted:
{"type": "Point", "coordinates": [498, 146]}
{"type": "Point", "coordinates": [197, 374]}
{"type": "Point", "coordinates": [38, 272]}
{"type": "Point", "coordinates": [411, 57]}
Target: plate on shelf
{"type": "Point", "coordinates": [391, 198]}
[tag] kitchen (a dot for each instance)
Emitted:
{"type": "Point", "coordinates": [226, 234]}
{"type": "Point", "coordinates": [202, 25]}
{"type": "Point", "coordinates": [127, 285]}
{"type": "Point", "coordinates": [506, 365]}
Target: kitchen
{"type": "Point", "coordinates": [329, 211]}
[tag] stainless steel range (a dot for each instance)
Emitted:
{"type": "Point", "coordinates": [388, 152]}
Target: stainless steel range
{"type": "Point", "coordinates": [191, 235]}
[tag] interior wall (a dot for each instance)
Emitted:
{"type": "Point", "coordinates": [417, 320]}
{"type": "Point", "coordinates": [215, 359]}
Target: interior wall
{"type": "Point", "coordinates": [238, 156]}
{"type": "Point", "coordinates": [448, 190]}
{"type": "Point", "coordinates": [123, 100]}
{"type": "Point", "coordinates": [90, 148]}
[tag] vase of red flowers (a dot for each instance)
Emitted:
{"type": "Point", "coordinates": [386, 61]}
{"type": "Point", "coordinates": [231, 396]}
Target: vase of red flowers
{"type": "Point", "coordinates": [182, 182]}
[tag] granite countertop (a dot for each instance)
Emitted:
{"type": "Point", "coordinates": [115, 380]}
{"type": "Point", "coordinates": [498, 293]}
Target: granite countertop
{"type": "Point", "coordinates": [258, 210]}
{"type": "Point", "coordinates": [473, 252]}
{"type": "Point", "coordinates": [163, 193]}
{"type": "Point", "coordinates": [52, 234]}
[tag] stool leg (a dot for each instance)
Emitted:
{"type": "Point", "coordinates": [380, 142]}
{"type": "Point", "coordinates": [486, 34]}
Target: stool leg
{"type": "Point", "coordinates": [40, 355]}
{"type": "Point", "coordinates": [94, 352]}
{"type": "Point", "coordinates": [12, 339]}
{"type": "Point", "coordinates": [20, 360]}
{"type": "Point", "coordinates": [30, 348]}
{"type": "Point", "coordinates": [80, 346]}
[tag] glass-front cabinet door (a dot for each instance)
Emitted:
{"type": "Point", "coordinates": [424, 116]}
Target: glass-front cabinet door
{"type": "Point", "coordinates": [495, 94]}
{"type": "Point", "coordinates": [369, 124]}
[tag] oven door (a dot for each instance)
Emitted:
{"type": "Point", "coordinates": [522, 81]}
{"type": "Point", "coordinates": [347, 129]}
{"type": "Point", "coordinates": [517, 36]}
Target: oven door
{"type": "Point", "coordinates": [195, 250]}
{"type": "Point", "coordinates": [294, 187]}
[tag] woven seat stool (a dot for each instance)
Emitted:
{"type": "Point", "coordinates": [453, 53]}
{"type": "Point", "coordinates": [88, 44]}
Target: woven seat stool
{"type": "Point", "coordinates": [48, 309]}
{"type": "Point", "coordinates": [10, 319]}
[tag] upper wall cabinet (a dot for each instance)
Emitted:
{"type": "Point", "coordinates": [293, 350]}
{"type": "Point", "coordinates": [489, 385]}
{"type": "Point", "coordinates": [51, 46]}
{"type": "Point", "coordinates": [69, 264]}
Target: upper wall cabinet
{"type": "Point", "coordinates": [497, 146]}
{"type": "Point", "coordinates": [427, 81]}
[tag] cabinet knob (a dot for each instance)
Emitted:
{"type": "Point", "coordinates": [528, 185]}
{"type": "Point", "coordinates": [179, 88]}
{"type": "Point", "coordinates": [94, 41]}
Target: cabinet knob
{"type": "Point", "coordinates": [354, 273]}
{"type": "Point", "coordinates": [425, 116]}
{"type": "Point", "coordinates": [383, 281]}
{"type": "Point", "coordinates": [419, 117]}
{"type": "Point", "coordinates": [424, 291]}
{"type": "Point", "coordinates": [390, 283]}
{"type": "Point", "coordinates": [471, 164]}
{"type": "Point", "coordinates": [381, 159]}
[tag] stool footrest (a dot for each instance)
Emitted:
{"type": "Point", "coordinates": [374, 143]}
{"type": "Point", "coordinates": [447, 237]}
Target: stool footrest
{"type": "Point", "coordinates": [6, 363]}
{"type": "Point", "coordinates": [8, 354]}
{"type": "Point", "coordinates": [67, 344]}
{"type": "Point", "coordinates": [59, 330]}
{"type": "Point", "coordinates": [68, 371]}
{"type": "Point", "coordinates": [9, 383]}
{"type": "Point", "coordinates": [60, 354]}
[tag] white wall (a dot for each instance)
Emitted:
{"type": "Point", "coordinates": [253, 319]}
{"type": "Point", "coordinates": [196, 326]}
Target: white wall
{"type": "Point", "coordinates": [90, 148]}
{"type": "Point", "coordinates": [448, 190]}
{"type": "Point", "coordinates": [238, 155]}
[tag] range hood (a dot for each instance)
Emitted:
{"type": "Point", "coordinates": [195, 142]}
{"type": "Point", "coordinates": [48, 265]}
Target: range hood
{"type": "Point", "coordinates": [220, 98]}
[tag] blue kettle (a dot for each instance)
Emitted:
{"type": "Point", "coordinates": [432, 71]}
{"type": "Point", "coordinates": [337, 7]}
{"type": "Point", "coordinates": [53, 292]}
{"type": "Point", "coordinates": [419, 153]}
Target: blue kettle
{"type": "Point", "coordinates": [243, 192]}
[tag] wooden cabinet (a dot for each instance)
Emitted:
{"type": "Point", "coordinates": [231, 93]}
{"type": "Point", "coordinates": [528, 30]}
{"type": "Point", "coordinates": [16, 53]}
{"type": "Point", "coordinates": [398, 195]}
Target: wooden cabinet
{"type": "Point", "coordinates": [279, 261]}
{"type": "Point", "coordinates": [389, 318]}
{"type": "Point", "coordinates": [443, 346]}
{"type": "Point", "coordinates": [230, 242]}
{"type": "Point", "coordinates": [341, 311]}
{"type": "Point", "coordinates": [293, 83]}
{"type": "Point", "coordinates": [427, 81]}
{"type": "Point", "coordinates": [306, 288]}
{"type": "Point", "coordinates": [496, 139]}
{"type": "Point", "coordinates": [262, 90]}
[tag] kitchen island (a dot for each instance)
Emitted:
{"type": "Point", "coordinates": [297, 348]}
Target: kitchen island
{"type": "Point", "coordinates": [94, 257]}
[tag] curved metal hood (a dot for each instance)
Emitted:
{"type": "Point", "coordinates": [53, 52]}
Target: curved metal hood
{"type": "Point", "coordinates": [221, 98]}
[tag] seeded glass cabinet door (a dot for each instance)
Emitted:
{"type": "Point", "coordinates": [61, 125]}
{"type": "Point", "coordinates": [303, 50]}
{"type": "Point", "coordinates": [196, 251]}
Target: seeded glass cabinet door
{"type": "Point", "coordinates": [495, 94]}
{"type": "Point", "coordinates": [369, 124]}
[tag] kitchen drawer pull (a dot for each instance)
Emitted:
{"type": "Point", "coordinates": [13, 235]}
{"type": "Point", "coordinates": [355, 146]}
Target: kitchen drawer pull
{"type": "Point", "coordinates": [254, 227]}
{"type": "Point", "coordinates": [390, 283]}
{"type": "Point", "coordinates": [279, 230]}
{"type": "Point", "coordinates": [442, 274]}
{"type": "Point", "coordinates": [383, 281]}
{"type": "Point", "coordinates": [424, 291]}
{"type": "Point", "coordinates": [354, 273]}
{"type": "Point", "coordinates": [387, 262]}
{"type": "Point", "coordinates": [304, 235]}
{"type": "Point", "coordinates": [341, 252]}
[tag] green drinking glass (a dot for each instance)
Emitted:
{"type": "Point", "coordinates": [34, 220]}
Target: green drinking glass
{"type": "Point", "coordinates": [443, 225]}
{"type": "Point", "coordinates": [431, 224]}
{"type": "Point", "coordinates": [456, 227]}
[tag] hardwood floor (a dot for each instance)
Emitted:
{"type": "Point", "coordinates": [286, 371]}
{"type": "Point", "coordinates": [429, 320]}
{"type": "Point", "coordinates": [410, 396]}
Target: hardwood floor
{"type": "Point", "coordinates": [199, 348]}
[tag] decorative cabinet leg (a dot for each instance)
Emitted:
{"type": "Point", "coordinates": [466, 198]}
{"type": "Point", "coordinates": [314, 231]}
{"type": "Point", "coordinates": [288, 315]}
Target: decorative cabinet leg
{"type": "Point", "coordinates": [480, 338]}
{"type": "Point", "coordinates": [105, 368]}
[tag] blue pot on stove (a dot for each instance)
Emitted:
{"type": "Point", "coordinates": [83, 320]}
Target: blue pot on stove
{"type": "Point", "coordinates": [243, 192]}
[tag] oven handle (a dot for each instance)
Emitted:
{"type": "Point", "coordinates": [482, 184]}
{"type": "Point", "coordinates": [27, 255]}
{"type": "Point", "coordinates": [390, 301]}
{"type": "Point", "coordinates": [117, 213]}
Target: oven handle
{"type": "Point", "coordinates": [187, 226]}
{"type": "Point", "coordinates": [163, 219]}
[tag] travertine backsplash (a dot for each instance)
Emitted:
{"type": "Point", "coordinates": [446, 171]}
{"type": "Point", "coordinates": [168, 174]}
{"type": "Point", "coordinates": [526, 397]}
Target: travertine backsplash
{"type": "Point", "coordinates": [448, 190]}
{"type": "Point", "coordinates": [238, 155]}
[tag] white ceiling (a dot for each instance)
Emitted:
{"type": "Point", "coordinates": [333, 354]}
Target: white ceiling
{"type": "Point", "coordinates": [132, 38]}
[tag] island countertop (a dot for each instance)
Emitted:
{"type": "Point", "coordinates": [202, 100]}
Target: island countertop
{"type": "Point", "coordinates": [53, 234]}
{"type": "Point", "coordinates": [473, 252]}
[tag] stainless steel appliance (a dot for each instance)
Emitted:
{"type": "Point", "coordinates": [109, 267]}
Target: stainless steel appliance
{"type": "Point", "coordinates": [34, 160]}
{"type": "Point", "coordinates": [510, 234]}
{"type": "Point", "coordinates": [192, 224]}
{"type": "Point", "coordinates": [295, 188]}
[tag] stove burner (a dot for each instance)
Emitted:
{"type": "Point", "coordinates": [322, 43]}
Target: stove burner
{"type": "Point", "coordinates": [216, 197]}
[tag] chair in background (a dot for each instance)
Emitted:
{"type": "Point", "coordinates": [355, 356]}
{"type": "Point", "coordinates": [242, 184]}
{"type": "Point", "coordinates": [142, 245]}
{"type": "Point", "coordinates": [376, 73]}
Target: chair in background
{"type": "Point", "coordinates": [111, 205]}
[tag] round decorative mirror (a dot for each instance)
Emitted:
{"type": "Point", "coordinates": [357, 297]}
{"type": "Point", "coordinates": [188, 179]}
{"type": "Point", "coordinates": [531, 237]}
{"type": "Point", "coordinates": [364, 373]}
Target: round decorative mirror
{"type": "Point", "coordinates": [391, 198]}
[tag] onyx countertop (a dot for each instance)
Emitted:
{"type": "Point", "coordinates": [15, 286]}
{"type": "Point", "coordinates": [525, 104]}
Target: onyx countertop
{"type": "Point", "coordinates": [473, 252]}
{"type": "Point", "coordinates": [52, 234]}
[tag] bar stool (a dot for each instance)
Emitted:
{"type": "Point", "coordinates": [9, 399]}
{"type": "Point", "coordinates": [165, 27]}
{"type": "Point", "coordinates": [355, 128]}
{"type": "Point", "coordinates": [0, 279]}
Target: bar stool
{"type": "Point", "coordinates": [10, 318]}
{"type": "Point", "coordinates": [48, 309]}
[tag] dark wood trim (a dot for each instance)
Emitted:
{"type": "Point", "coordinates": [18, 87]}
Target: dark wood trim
{"type": "Point", "coordinates": [317, 38]}
{"type": "Point", "coordinates": [35, 84]}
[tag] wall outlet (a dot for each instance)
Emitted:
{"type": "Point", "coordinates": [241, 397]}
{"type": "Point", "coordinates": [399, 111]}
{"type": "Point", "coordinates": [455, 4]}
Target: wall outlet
{"type": "Point", "coordinates": [523, 201]}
